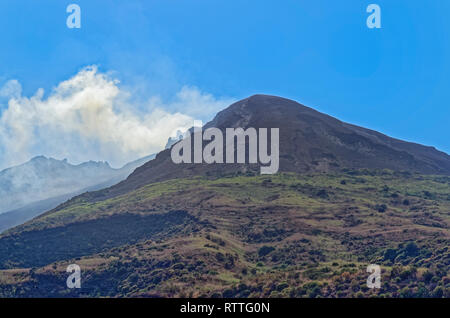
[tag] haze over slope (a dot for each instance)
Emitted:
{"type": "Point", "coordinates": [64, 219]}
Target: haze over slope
{"type": "Point", "coordinates": [43, 178]}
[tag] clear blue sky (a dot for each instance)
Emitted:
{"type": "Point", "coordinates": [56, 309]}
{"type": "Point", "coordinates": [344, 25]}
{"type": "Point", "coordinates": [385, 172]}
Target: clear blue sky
{"type": "Point", "coordinates": [320, 53]}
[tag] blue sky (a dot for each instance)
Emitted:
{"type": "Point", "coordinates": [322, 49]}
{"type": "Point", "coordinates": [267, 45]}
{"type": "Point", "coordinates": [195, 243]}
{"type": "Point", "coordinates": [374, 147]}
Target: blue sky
{"type": "Point", "coordinates": [395, 80]}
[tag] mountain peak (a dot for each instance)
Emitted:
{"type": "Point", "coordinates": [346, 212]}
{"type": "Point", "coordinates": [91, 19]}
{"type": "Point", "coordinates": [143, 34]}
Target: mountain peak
{"type": "Point", "coordinates": [310, 142]}
{"type": "Point", "coordinates": [39, 158]}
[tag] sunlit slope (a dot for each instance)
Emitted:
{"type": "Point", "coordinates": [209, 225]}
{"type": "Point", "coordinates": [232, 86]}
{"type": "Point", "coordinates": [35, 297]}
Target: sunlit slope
{"type": "Point", "coordinates": [208, 237]}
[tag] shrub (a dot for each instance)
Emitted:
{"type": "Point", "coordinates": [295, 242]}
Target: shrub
{"type": "Point", "coordinates": [438, 292]}
{"type": "Point", "coordinates": [282, 286]}
{"type": "Point", "coordinates": [412, 249]}
{"type": "Point", "coordinates": [322, 194]}
{"type": "Point", "coordinates": [390, 254]}
{"type": "Point", "coordinates": [263, 251]}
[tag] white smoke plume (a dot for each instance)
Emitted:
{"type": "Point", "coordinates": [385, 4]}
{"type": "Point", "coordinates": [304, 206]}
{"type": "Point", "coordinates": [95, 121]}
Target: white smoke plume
{"type": "Point", "coordinates": [90, 117]}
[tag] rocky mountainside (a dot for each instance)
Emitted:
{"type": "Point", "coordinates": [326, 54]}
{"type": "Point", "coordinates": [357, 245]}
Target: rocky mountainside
{"type": "Point", "coordinates": [309, 142]}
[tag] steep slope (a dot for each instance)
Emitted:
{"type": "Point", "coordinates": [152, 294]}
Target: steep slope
{"type": "Point", "coordinates": [19, 216]}
{"type": "Point", "coordinates": [309, 142]}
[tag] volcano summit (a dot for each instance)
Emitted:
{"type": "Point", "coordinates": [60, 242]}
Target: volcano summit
{"type": "Point", "coordinates": [309, 142]}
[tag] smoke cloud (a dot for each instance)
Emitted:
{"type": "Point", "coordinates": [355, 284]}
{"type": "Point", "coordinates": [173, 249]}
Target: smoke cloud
{"type": "Point", "coordinates": [89, 117]}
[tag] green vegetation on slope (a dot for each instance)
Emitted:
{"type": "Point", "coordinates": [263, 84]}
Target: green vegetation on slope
{"type": "Point", "coordinates": [285, 235]}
